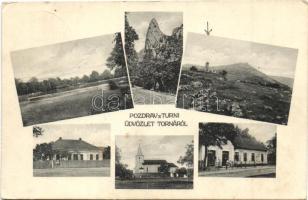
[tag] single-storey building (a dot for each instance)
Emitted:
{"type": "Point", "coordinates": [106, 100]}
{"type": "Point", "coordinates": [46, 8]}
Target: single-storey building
{"type": "Point", "coordinates": [243, 151]}
{"type": "Point", "coordinates": [64, 149]}
{"type": "Point", "coordinates": [144, 167]}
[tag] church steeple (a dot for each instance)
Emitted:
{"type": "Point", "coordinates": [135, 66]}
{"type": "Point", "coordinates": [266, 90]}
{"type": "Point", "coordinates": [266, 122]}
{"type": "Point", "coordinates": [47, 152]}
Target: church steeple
{"type": "Point", "coordinates": [139, 161]}
{"type": "Point", "coordinates": [139, 152]}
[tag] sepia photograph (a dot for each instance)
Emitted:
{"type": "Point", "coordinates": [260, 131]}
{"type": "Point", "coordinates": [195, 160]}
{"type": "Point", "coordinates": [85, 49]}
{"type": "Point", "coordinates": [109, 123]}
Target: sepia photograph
{"type": "Point", "coordinates": [237, 78]}
{"type": "Point", "coordinates": [154, 162]}
{"type": "Point", "coordinates": [71, 150]}
{"type": "Point", "coordinates": [153, 47]}
{"type": "Point", "coordinates": [237, 150]}
{"type": "Point", "coordinates": [71, 79]}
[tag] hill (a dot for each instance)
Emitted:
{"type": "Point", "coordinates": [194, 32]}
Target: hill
{"type": "Point", "coordinates": [284, 80]}
{"type": "Point", "coordinates": [245, 73]}
{"type": "Point", "coordinates": [241, 91]}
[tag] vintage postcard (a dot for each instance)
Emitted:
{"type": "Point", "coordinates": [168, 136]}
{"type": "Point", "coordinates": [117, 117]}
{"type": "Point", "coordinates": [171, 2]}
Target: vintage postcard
{"type": "Point", "coordinates": [71, 79]}
{"type": "Point", "coordinates": [237, 78]}
{"type": "Point", "coordinates": [71, 150]}
{"type": "Point", "coordinates": [154, 162]}
{"type": "Point", "coordinates": [237, 150]}
{"type": "Point", "coordinates": [153, 46]}
{"type": "Point", "coordinates": [100, 100]}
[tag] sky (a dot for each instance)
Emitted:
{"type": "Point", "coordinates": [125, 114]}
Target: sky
{"type": "Point", "coordinates": [262, 132]}
{"type": "Point", "coordinates": [64, 60]}
{"type": "Point", "coordinates": [140, 21]}
{"type": "Point", "coordinates": [96, 134]}
{"type": "Point", "coordinates": [168, 148]}
{"type": "Point", "coordinates": [271, 60]}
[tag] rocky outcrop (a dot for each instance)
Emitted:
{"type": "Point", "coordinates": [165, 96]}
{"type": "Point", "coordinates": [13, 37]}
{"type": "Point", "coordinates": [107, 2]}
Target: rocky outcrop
{"type": "Point", "coordinates": [160, 46]}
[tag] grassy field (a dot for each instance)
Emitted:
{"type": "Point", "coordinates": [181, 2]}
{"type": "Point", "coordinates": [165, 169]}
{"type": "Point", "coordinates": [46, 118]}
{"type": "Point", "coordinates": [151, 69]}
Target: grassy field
{"type": "Point", "coordinates": [145, 97]}
{"type": "Point", "coordinates": [155, 183]}
{"type": "Point", "coordinates": [70, 104]}
{"type": "Point", "coordinates": [253, 99]}
{"type": "Point", "coordinates": [76, 172]}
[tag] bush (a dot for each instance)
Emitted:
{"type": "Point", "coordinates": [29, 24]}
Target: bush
{"type": "Point", "coordinates": [113, 85]}
{"type": "Point", "coordinates": [193, 68]}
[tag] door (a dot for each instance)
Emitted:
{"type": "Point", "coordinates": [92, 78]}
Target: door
{"type": "Point", "coordinates": [211, 157]}
{"type": "Point", "coordinates": [225, 157]}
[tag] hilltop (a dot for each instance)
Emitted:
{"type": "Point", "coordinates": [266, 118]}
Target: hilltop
{"type": "Point", "coordinates": [241, 90]}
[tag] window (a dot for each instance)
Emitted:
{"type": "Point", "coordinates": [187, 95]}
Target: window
{"type": "Point", "coordinates": [262, 158]}
{"type": "Point", "coordinates": [252, 157]}
{"type": "Point", "coordinates": [245, 157]}
{"type": "Point", "coordinates": [236, 156]}
{"type": "Point", "coordinates": [91, 156]}
{"type": "Point", "coordinates": [69, 157]}
{"type": "Point", "coordinates": [75, 156]}
{"type": "Point", "coordinates": [97, 157]}
{"type": "Point", "coordinates": [81, 156]}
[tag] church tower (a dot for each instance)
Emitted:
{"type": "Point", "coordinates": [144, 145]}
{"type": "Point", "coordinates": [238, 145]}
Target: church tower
{"type": "Point", "coordinates": [139, 161]}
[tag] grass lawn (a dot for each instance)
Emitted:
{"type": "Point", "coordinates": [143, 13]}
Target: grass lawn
{"type": "Point", "coordinates": [145, 97]}
{"type": "Point", "coordinates": [77, 172]}
{"type": "Point", "coordinates": [155, 183]}
{"type": "Point", "coordinates": [69, 104]}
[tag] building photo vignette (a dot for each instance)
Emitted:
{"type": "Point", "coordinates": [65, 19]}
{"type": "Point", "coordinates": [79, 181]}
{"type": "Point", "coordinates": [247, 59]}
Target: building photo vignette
{"type": "Point", "coordinates": [237, 150]}
{"type": "Point", "coordinates": [71, 150]}
{"type": "Point", "coordinates": [154, 161]}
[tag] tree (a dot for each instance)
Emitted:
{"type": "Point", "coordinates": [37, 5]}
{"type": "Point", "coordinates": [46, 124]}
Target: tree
{"type": "Point", "coordinates": [116, 60]}
{"type": "Point", "coordinates": [106, 75]}
{"type": "Point", "coordinates": [94, 76]}
{"type": "Point", "coordinates": [188, 158]}
{"type": "Point", "coordinates": [130, 37]}
{"type": "Point", "coordinates": [117, 155]}
{"type": "Point", "coordinates": [121, 169]}
{"type": "Point", "coordinates": [193, 68]}
{"type": "Point", "coordinates": [106, 153]}
{"type": "Point", "coordinates": [164, 168]}
{"type": "Point", "coordinates": [181, 171]}
{"type": "Point", "coordinates": [215, 134]}
{"type": "Point", "coordinates": [271, 146]}
{"type": "Point", "coordinates": [37, 131]}
{"type": "Point", "coordinates": [42, 151]}
{"type": "Point", "coordinates": [85, 79]}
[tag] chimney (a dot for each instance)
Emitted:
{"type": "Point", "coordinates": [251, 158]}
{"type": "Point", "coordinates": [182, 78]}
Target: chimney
{"type": "Point", "coordinates": [60, 138]}
{"type": "Point", "coordinates": [79, 138]}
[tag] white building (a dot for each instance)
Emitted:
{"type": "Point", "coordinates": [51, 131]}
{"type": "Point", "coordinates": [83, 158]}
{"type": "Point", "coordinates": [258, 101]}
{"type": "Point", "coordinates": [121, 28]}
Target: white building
{"type": "Point", "coordinates": [64, 149]}
{"type": "Point", "coordinates": [144, 167]}
{"type": "Point", "coordinates": [242, 151]}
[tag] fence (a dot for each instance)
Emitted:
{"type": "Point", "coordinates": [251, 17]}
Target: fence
{"type": "Point", "coordinates": [43, 164]}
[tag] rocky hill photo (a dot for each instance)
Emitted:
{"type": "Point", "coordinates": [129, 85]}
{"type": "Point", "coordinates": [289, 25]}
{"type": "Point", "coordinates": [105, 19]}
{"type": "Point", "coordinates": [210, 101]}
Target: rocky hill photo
{"type": "Point", "coordinates": [156, 66]}
{"type": "Point", "coordinates": [238, 90]}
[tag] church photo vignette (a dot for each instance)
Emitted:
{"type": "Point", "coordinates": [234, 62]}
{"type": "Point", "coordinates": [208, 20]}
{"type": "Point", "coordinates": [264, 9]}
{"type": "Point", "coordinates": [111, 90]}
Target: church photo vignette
{"type": "Point", "coordinates": [154, 162]}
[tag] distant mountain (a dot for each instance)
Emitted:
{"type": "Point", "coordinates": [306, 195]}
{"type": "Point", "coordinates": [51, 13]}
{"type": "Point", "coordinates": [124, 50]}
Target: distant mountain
{"type": "Point", "coordinates": [285, 80]}
{"type": "Point", "coordinates": [242, 72]}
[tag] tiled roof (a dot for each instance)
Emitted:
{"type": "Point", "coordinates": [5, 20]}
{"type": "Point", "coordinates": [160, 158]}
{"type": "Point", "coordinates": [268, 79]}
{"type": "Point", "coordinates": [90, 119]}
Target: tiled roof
{"type": "Point", "coordinates": [72, 145]}
{"type": "Point", "coordinates": [154, 162]}
{"type": "Point", "coordinates": [249, 143]}
{"type": "Point", "coordinates": [158, 162]}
